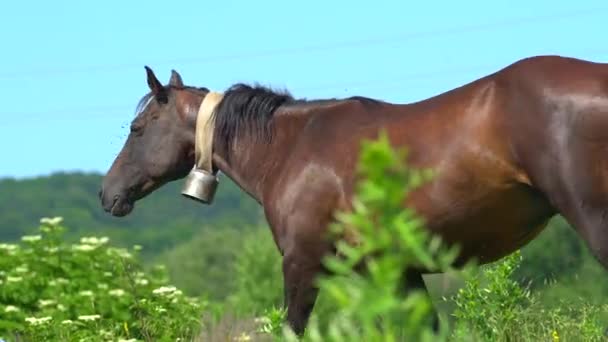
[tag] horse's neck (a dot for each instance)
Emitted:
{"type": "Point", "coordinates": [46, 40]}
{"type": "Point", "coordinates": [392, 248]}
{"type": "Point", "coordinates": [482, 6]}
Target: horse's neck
{"type": "Point", "coordinates": [247, 181]}
{"type": "Point", "coordinates": [248, 164]}
{"type": "Point", "coordinates": [253, 163]}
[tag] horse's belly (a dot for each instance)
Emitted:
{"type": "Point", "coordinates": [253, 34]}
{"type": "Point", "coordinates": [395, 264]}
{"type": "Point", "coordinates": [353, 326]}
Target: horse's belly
{"type": "Point", "coordinates": [498, 242]}
{"type": "Point", "coordinates": [488, 224]}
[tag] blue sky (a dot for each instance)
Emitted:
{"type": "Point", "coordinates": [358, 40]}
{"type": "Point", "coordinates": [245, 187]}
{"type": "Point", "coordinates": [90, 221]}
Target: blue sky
{"type": "Point", "coordinates": [72, 72]}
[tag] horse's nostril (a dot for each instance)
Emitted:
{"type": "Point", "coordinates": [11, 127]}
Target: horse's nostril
{"type": "Point", "coordinates": [100, 194]}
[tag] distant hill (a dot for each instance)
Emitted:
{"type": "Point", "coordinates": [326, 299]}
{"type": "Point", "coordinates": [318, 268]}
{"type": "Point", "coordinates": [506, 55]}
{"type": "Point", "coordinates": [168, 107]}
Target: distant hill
{"type": "Point", "coordinates": [158, 221]}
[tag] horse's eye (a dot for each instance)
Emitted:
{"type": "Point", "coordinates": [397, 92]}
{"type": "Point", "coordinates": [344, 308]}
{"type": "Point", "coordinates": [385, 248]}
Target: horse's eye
{"type": "Point", "coordinates": [135, 128]}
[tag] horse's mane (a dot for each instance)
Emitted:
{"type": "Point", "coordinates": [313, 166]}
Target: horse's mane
{"type": "Point", "coordinates": [248, 109]}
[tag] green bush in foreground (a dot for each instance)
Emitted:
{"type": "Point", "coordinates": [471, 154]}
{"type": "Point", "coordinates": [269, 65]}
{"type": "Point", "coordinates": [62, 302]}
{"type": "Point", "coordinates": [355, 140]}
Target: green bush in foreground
{"type": "Point", "coordinates": [51, 290]}
{"type": "Point", "coordinates": [369, 305]}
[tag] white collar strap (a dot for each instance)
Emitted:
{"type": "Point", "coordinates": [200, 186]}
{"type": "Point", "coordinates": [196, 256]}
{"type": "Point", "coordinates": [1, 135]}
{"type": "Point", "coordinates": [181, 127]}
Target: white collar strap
{"type": "Point", "coordinates": [205, 125]}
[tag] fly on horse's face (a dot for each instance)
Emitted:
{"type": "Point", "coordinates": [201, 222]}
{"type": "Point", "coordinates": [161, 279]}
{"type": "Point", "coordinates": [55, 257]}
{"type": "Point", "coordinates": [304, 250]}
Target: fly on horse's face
{"type": "Point", "coordinates": [159, 147]}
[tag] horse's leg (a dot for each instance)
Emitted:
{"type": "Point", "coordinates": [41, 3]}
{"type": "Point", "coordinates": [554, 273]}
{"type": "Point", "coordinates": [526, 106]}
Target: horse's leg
{"type": "Point", "coordinates": [580, 194]}
{"type": "Point", "coordinates": [299, 272]}
{"type": "Point", "coordinates": [589, 218]}
{"type": "Point", "coordinates": [413, 281]}
{"type": "Point", "coordinates": [303, 246]}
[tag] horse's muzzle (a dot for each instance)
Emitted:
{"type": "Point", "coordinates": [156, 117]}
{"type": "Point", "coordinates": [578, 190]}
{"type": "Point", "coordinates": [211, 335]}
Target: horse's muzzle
{"type": "Point", "coordinates": [200, 185]}
{"type": "Point", "coordinates": [117, 205]}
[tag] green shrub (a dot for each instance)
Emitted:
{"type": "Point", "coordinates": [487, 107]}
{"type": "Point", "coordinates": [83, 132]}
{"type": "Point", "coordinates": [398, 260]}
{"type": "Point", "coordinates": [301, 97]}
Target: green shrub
{"type": "Point", "coordinates": [494, 306]}
{"type": "Point", "coordinates": [52, 290]}
{"type": "Point", "coordinates": [258, 279]}
{"type": "Point", "coordinates": [491, 303]}
{"type": "Point", "coordinates": [204, 266]}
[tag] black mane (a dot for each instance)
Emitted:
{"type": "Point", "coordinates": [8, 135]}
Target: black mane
{"type": "Point", "coordinates": [247, 109]}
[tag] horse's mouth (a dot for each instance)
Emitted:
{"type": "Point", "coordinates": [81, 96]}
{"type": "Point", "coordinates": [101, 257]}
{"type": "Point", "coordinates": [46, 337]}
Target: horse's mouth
{"type": "Point", "coordinates": [123, 202]}
{"type": "Point", "coordinates": [120, 207]}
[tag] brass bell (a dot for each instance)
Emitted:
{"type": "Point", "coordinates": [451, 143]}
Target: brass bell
{"type": "Point", "coordinates": [200, 185]}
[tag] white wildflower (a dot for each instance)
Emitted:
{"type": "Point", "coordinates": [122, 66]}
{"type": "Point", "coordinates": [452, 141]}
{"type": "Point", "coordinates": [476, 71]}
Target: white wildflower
{"type": "Point", "coordinates": [22, 269]}
{"type": "Point", "coordinates": [11, 308]}
{"type": "Point", "coordinates": [120, 252]}
{"type": "Point", "coordinates": [129, 340]}
{"type": "Point", "coordinates": [117, 292]}
{"type": "Point", "coordinates": [94, 241]}
{"type": "Point", "coordinates": [58, 281]}
{"type": "Point", "coordinates": [165, 290]}
{"type": "Point", "coordinates": [60, 307]}
{"type": "Point", "coordinates": [31, 238]}
{"type": "Point", "coordinates": [141, 281]}
{"type": "Point", "coordinates": [89, 317]}
{"type": "Point", "coordinates": [37, 321]}
{"type": "Point", "coordinates": [106, 333]}
{"type": "Point", "coordinates": [160, 309]}
{"type": "Point", "coordinates": [102, 286]}
{"type": "Point", "coordinates": [86, 293]}
{"type": "Point", "coordinates": [10, 279]}
{"type": "Point", "coordinates": [67, 321]}
{"type": "Point", "coordinates": [51, 250]}
{"type": "Point", "coordinates": [84, 248]}
{"type": "Point", "coordinates": [46, 302]}
{"type": "Point", "coordinates": [9, 247]}
{"type": "Point", "coordinates": [51, 221]}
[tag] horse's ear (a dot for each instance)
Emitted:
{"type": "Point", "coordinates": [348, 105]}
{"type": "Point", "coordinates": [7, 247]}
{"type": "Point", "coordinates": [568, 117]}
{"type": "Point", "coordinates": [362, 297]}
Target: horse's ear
{"type": "Point", "coordinates": [176, 79]}
{"type": "Point", "coordinates": [155, 86]}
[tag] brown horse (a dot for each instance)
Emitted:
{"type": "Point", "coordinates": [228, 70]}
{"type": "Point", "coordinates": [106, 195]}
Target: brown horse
{"type": "Point", "coordinates": [510, 150]}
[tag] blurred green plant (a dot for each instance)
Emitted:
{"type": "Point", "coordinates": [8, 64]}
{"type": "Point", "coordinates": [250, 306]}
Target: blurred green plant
{"type": "Point", "coordinates": [369, 305]}
{"type": "Point", "coordinates": [258, 279]}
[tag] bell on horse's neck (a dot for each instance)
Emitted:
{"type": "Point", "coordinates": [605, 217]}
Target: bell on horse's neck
{"type": "Point", "coordinates": [200, 186]}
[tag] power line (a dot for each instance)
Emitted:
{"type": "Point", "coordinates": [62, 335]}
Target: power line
{"type": "Point", "coordinates": [86, 113]}
{"type": "Point", "coordinates": [314, 48]}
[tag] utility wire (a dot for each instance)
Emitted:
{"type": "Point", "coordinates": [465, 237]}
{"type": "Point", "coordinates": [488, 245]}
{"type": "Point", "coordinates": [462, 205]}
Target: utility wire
{"type": "Point", "coordinates": [87, 113]}
{"type": "Point", "coordinates": [313, 48]}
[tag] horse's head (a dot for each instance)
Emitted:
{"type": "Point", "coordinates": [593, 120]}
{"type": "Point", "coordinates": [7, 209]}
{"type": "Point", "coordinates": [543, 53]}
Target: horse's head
{"type": "Point", "coordinates": [159, 148]}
